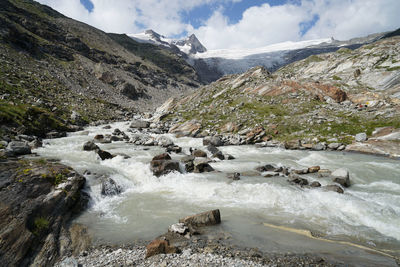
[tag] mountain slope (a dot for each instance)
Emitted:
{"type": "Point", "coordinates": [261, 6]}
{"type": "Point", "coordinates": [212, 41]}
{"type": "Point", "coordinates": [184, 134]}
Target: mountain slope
{"type": "Point", "coordinates": [329, 97]}
{"type": "Point", "coordinates": [52, 65]}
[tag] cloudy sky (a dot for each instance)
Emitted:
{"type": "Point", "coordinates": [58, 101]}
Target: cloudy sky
{"type": "Point", "coordinates": [237, 23]}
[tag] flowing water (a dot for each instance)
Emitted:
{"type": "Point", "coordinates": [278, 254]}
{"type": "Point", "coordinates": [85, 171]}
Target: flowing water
{"type": "Point", "coordinates": [368, 213]}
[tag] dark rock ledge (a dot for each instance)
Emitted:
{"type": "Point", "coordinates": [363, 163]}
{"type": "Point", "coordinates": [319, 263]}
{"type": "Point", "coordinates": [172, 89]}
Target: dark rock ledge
{"type": "Point", "coordinates": [38, 199]}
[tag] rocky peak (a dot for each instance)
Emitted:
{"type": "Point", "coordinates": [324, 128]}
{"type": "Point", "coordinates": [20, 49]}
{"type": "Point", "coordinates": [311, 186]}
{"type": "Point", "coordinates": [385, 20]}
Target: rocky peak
{"type": "Point", "coordinates": [193, 43]}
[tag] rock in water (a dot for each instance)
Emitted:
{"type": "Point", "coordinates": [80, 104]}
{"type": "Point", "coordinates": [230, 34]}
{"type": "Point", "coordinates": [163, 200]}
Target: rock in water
{"type": "Point", "coordinates": [163, 156]}
{"type": "Point", "coordinates": [333, 188]}
{"type": "Point", "coordinates": [140, 124]}
{"type": "Point", "coordinates": [199, 153]}
{"type": "Point", "coordinates": [90, 146]}
{"type": "Point", "coordinates": [104, 154]}
{"type": "Point", "coordinates": [159, 247]}
{"type": "Point", "coordinates": [212, 140]}
{"type": "Point", "coordinates": [202, 166]}
{"type": "Point", "coordinates": [314, 169]}
{"type": "Point", "coordinates": [109, 187]}
{"type": "Point", "coordinates": [342, 177]}
{"type": "Point", "coordinates": [162, 164]}
{"type": "Point", "coordinates": [203, 219]}
{"type": "Point", "coordinates": [17, 148]}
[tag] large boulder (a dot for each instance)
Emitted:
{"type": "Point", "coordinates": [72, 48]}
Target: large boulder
{"type": "Point", "coordinates": [90, 146]}
{"type": "Point", "coordinates": [212, 140]}
{"type": "Point", "coordinates": [361, 137]}
{"type": "Point", "coordinates": [17, 148]}
{"type": "Point", "coordinates": [188, 161]}
{"type": "Point", "coordinates": [212, 217]}
{"type": "Point", "coordinates": [163, 164]}
{"type": "Point", "coordinates": [164, 141]}
{"type": "Point", "coordinates": [109, 187]}
{"type": "Point", "coordinates": [342, 177]}
{"type": "Point", "coordinates": [202, 166]}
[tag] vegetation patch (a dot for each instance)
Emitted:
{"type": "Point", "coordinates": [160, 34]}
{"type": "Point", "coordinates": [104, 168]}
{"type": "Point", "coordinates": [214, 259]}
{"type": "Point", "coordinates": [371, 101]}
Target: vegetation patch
{"type": "Point", "coordinates": [40, 224]}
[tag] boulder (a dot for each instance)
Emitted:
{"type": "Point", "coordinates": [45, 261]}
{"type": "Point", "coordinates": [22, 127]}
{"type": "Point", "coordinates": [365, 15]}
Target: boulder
{"type": "Point", "coordinates": [333, 188]}
{"type": "Point", "coordinates": [188, 162]}
{"type": "Point", "coordinates": [314, 169]}
{"type": "Point", "coordinates": [319, 146]}
{"type": "Point", "coordinates": [294, 179]}
{"type": "Point", "coordinates": [164, 141]}
{"type": "Point", "coordinates": [202, 166]}
{"type": "Point", "coordinates": [17, 148]}
{"type": "Point", "coordinates": [159, 247]}
{"type": "Point", "coordinates": [109, 187]}
{"type": "Point", "coordinates": [162, 167]}
{"type": "Point", "coordinates": [334, 146]}
{"type": "Point", "coordinates": [218, 155]}
{"type": "Point", "coordinates": [104, 154]}
{"type": "Point", "coordinates": [293, 144]}
{"type": "Point", "coordinates": [212, 149]}
{"type": "Point", "coordinates": [342, 177]}
{"type": "Point", "coordinates": [199, 153]}
{"type": "Point", "coordinates": [212, 140]}
{"type": "Point", "coordinates": [90, 146]}
{"type": "Point", "coordinates": [212, 217]}
{"type": "Point", "coordinates": [229, 157]}
{"type": "Point", "coordinates": [315, 184]}
{"type": "Point", "coordinates": [361, 137]}
{"type": "Point", "coordinates": [139, 124]}
{"type": "Point", "coordinates": [267, 167]}
{"type": "Point", "coordinates": [234, 176]}
{"type": "Point", "coordinates": [163, 156]}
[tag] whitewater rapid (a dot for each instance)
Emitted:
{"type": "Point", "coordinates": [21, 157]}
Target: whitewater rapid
{"type": "Point", "coordinates": [367, 213]}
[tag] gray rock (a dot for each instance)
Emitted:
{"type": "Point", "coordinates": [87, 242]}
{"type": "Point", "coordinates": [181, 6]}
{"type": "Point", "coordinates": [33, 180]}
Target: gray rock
{"type": "Point", "coordinates": [315, 184]}
{"type": "Point", "coordinates": [164, 141]}
{"type": "Point", "coordinates": [361, 137]}
{"type": "Point", "coordinates": [342, 177]}
{"type": "Point", "coordinates": [68, 262]}
{"type": "Point", "coordinates": [229, 157]}
{"type": "Point", "coordinates": [162, 167]}
{"type": "Point", "coordinates": [18, 148]}
{"type": "Point", "coordinates": [202, 166]}
{"type": "Point", "coordinates": [90, 146]}
{"type": "Point", "coordinates": [109, 187]}
{"type": "Point", "coordinates": [213, 140]}
{"type": "Point", "coordinates": [319, 146]}
{"type": "Point", "coordinates": [333, 188]}
{"type": "Point", "coordinates": [139, 124]}
{"type": "Point", "coordinates": [188, 162]}
{"type": "Point", "coordinates": [334, 146]}
{"type": "Point", "coordinates": [104, 154]}
{"type": "Point", "coordinates": [218, 155]}
{"type": "Point", "coordinates": [203, 219]}
{"type": "Point", "coordinates": [212, 149]}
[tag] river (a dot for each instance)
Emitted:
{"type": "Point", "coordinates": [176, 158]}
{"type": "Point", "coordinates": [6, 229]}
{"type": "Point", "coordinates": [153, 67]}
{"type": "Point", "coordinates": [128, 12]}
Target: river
{"type": "Point", "coordinates": [256, 211]}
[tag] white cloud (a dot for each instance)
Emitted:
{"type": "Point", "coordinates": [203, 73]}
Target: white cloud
{"type": "Point", "coordinates": [259, 25]}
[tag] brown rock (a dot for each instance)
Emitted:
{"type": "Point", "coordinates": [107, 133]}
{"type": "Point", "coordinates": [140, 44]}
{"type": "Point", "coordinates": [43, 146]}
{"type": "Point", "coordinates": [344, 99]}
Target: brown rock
{"type": "Point", "coordinates": [189, 128]}
{"type": "Point", "coordinates": [159, 247]}
{"type": "Point", "coordinates": [334, 188]}
{"type": "Point", "coordinates": [203, 219]}
{"type": "Point", "coordinates": [163, 156]}
{"type": "Point", "coordinates": [199, 153]}
{"type": "Point", "coordinates": [314, 169]}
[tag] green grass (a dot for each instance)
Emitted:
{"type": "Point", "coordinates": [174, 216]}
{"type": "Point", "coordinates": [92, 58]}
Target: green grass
{"type": "Point", "coordinates": [336, 78]}
{"type": "Point", "coordinates": [40, 224]}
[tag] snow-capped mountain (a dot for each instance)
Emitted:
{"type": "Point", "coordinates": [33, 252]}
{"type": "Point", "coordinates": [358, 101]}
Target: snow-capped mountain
{"type": "Point", "coordinates": [213, 64]}
{"type": "Point", "coordinates": [189, 46]}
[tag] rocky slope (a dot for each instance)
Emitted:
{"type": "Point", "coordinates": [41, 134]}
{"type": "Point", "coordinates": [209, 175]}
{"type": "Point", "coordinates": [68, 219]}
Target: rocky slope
{"type": "Point", "coordinates": [326, 98]}
{"type": "Point", "coordinates": [56, 71]}
{"type": "Point", "coordinates": [37, 201]}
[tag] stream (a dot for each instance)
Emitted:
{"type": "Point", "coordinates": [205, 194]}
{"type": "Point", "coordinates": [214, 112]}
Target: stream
{"type": "Point", "coordinates": [256, 211]}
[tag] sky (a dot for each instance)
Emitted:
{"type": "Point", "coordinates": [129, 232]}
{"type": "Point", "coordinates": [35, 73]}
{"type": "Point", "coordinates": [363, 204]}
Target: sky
{"type": "Point", "coordinates": [225, 24]}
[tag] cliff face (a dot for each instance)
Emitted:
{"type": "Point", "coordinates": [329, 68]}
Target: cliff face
{"type": "Point", "coordinates": [55, 65]}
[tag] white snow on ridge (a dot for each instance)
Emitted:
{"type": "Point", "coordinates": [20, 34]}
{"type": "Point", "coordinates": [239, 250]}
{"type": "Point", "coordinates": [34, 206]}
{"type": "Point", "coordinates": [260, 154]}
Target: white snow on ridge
{"type": "Point", "coordinates": [242, 53]}
{"type": "Point", "coordinates": [142, 37]}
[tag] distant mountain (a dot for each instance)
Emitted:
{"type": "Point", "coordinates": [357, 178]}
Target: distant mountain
{"type": "Point", "coordinates": [213, 64]}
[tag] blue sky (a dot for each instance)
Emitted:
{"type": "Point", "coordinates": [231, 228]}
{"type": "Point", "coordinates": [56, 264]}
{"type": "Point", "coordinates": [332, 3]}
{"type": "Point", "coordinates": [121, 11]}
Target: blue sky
{"type": "Point", "coordinates": [238, 23]}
